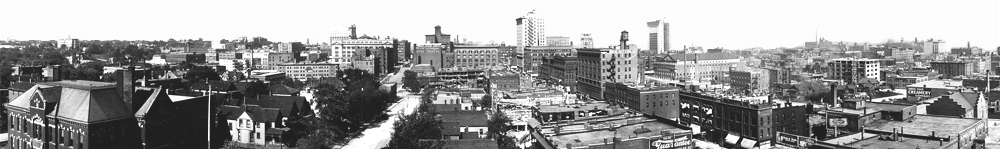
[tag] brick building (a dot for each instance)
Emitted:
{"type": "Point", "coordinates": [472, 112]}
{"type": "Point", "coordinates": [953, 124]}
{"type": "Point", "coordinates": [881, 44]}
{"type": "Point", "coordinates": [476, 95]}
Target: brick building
{"type": "Point", "coordinates": [660, 101]}
{"type": "Point", "coordinates": [71, 114]}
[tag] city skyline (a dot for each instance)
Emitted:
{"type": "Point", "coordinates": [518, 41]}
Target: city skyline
{"type": "Point", "coordinates": [727, 24]}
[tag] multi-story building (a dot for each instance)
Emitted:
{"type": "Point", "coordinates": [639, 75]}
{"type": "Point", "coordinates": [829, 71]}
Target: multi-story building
{"type": "Point", "coordinates": [694, 66]}
{"type": "Point", "coordinates": [436, 55]}
{"type": "Point", "coordinates": [507, 54]}
{"type": "Point", "coordinates": [750, 81]}
{"type": "Point", "coordinates": [266, 60]}
{"type": "Point", "coordinates": [343, 51]}
{"type": "Point", "coordinates": [533, 55]}
{"type": "Point", "coordinates": [562, 70]}
{"type": "Point", "coordinates": [599, 66]}
{"type": "Point", "coordinates": [506, 81]}
{"type": "Point", "coordinates": [366, 63]}
{"type": "Point", "coordinates": [586, 41]}
{"type": "Point", "coordinates": [308, 70]}
{"type": "Point", "coordinates": [71, 114]}
{"type": "Point", "coordinates": [530, 30]}
{"type": "Point", "coordinates": [68, 43]}
{"type": "Point", "coordinates": [953, 69]}
{"type": "Point", "coordinates": [233, 55]}
{"type": "Point", "coordinates": [659, 36]}
{"type": "Point", "coordinates": [721, 117]}
{"type": "Point", "coordinates": [476, 56]}
{"type": "Point", "coordinates": [852, 70]}
{"type": "Point", "coordinates": [659, 101]}
{"type": "Point", "coordinates": [437, 37]}
{"type": "Point", "coordinates": [559, 41]}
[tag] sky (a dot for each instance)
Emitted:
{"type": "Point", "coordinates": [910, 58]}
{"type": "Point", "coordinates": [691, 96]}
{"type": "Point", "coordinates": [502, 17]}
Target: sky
{"type": "Point", "coordinates": [730, 24]}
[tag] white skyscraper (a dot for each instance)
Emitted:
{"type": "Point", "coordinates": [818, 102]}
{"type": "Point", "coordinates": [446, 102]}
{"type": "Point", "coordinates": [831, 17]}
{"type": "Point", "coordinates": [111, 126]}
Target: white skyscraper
{"type": "Point", "coordinates": [530, 30]}
{"type": "Point", "coordinates": [659, 36]}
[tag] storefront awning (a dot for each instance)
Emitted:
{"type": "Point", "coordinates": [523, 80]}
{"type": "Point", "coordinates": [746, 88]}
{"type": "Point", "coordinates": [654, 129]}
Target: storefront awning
{"type": "Point", "coordinates": [732, 139]}
{"type": "Point", "coordinates": [747, 143]}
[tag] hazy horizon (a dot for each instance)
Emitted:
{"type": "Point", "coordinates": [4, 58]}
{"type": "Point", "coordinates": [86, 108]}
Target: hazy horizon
{"type": "Point", "coordinates": [709, 24]}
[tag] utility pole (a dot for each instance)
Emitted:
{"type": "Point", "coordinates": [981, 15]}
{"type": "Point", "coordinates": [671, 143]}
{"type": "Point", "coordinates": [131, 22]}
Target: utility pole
{"type": "Point", "coordinates": [208, 109]}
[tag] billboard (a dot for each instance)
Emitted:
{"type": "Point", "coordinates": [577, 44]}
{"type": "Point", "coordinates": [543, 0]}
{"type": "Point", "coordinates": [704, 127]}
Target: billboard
{"type": "Point", "coordinates": [672, 141]}
{"type": "Point", "coordinates": [794, 140]}
{"type": "Point", "coordinates": [837, 122]}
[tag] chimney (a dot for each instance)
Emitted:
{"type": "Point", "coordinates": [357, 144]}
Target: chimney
{"type": "Point", "coordinates": [127, 86]}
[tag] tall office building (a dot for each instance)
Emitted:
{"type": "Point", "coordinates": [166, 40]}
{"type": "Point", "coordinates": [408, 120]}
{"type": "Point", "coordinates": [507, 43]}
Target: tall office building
{"type": "Point", "coordinates": [659, 36]}
{"type": "Point", "coordinates": [586, 41]}
{"type": "Point", "coordinates": [530, 30]}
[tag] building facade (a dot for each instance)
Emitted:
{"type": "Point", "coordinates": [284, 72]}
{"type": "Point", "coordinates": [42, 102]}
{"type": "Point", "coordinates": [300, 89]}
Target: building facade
{"type": "Point", "coordinates": [586, 41]}
{"type": "Point", "coordinates": [852, 70]}
{"type": "Point", "coordinates": [953, 69]}
{"type": "Point", "coordinates": [476, 56]}
{"type": "Point", "coordinates": [659, 101]}
{"type": "Point", "coordinates": [751, 82]}
{"type": "Point", "coordinates": [436, 55]}
{"type": "Point", "coordinates": [707, 66]}
{"type": "Point", "coordinates": [71, 114]}
{"type": "Point", "coordinates": [598, 66]}
{"type": "Point", "coordinates": [559, 41]}
{"type": "Point", "coordinates": [562, 70]}
{"type": "Point", "coordinates": [343, 51]}
{"type": "Point", "coordinates": [533, 55]}
{"type": "Point", "coordinates": [506, 81]}
{"type": "Point", "coordinates": [308, 70]}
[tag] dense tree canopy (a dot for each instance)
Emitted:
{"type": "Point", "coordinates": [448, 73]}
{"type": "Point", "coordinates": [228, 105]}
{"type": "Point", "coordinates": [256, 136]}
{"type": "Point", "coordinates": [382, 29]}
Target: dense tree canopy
{"type": "Point", "coordinates": [410, 81]}
{"type": "Point", "coordinates": [87, 71]}
{"type": "Point", "coordinates": [343, 110]}
{"type": "Point", "coordinates": [422, 124]}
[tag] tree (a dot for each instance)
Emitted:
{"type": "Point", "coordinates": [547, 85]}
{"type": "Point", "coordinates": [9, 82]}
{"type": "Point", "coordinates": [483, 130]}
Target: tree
{"type": "Point", "coordinates": [200, 74]}
{"type": "Point", "coordinates": [497, 124]}
{"type": "Point", "coordinates": [346, 109]}
{"type": "Point", "coordinates": [53, 58]}
{"type": "Point", "coordinates": [298, 128]}
{"type": "Point", "coordinates": [238, 65]}
{"type": "Point", "coordinates": [87, 71]}
{"type": "Point", "coordinates": [410, 81]}
{"type": "Point", "coordinates": [813, 92]}
{"type": "Point", "coordinates": [423, 124]}
{"type": "Point", "coordinates": [487, 101]}
{"type": "Point", "coordinates": [220, 133]}
{"type": "Point", "coordinates": [291, 82]}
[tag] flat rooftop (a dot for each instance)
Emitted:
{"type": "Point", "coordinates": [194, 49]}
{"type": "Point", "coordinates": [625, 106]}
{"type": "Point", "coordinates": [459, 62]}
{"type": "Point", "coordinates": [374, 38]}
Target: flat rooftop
{"type": "Point", "coordinates": [945, 84]}
{"type": "Point", "coordinates": [874, 142]}
{"type": "Point", "coordinates": [598, 136]}
{"type": "Point", "coordinates": [572, 107]}
{"type": "Point", "coordinates": [924, 125]}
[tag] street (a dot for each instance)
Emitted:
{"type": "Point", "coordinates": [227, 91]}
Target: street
{"type": "Point", "coordinates": [379, 137]}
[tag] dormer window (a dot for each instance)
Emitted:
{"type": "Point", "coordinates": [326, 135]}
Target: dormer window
{"type": "Point", "coordinates": [36, 102]}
